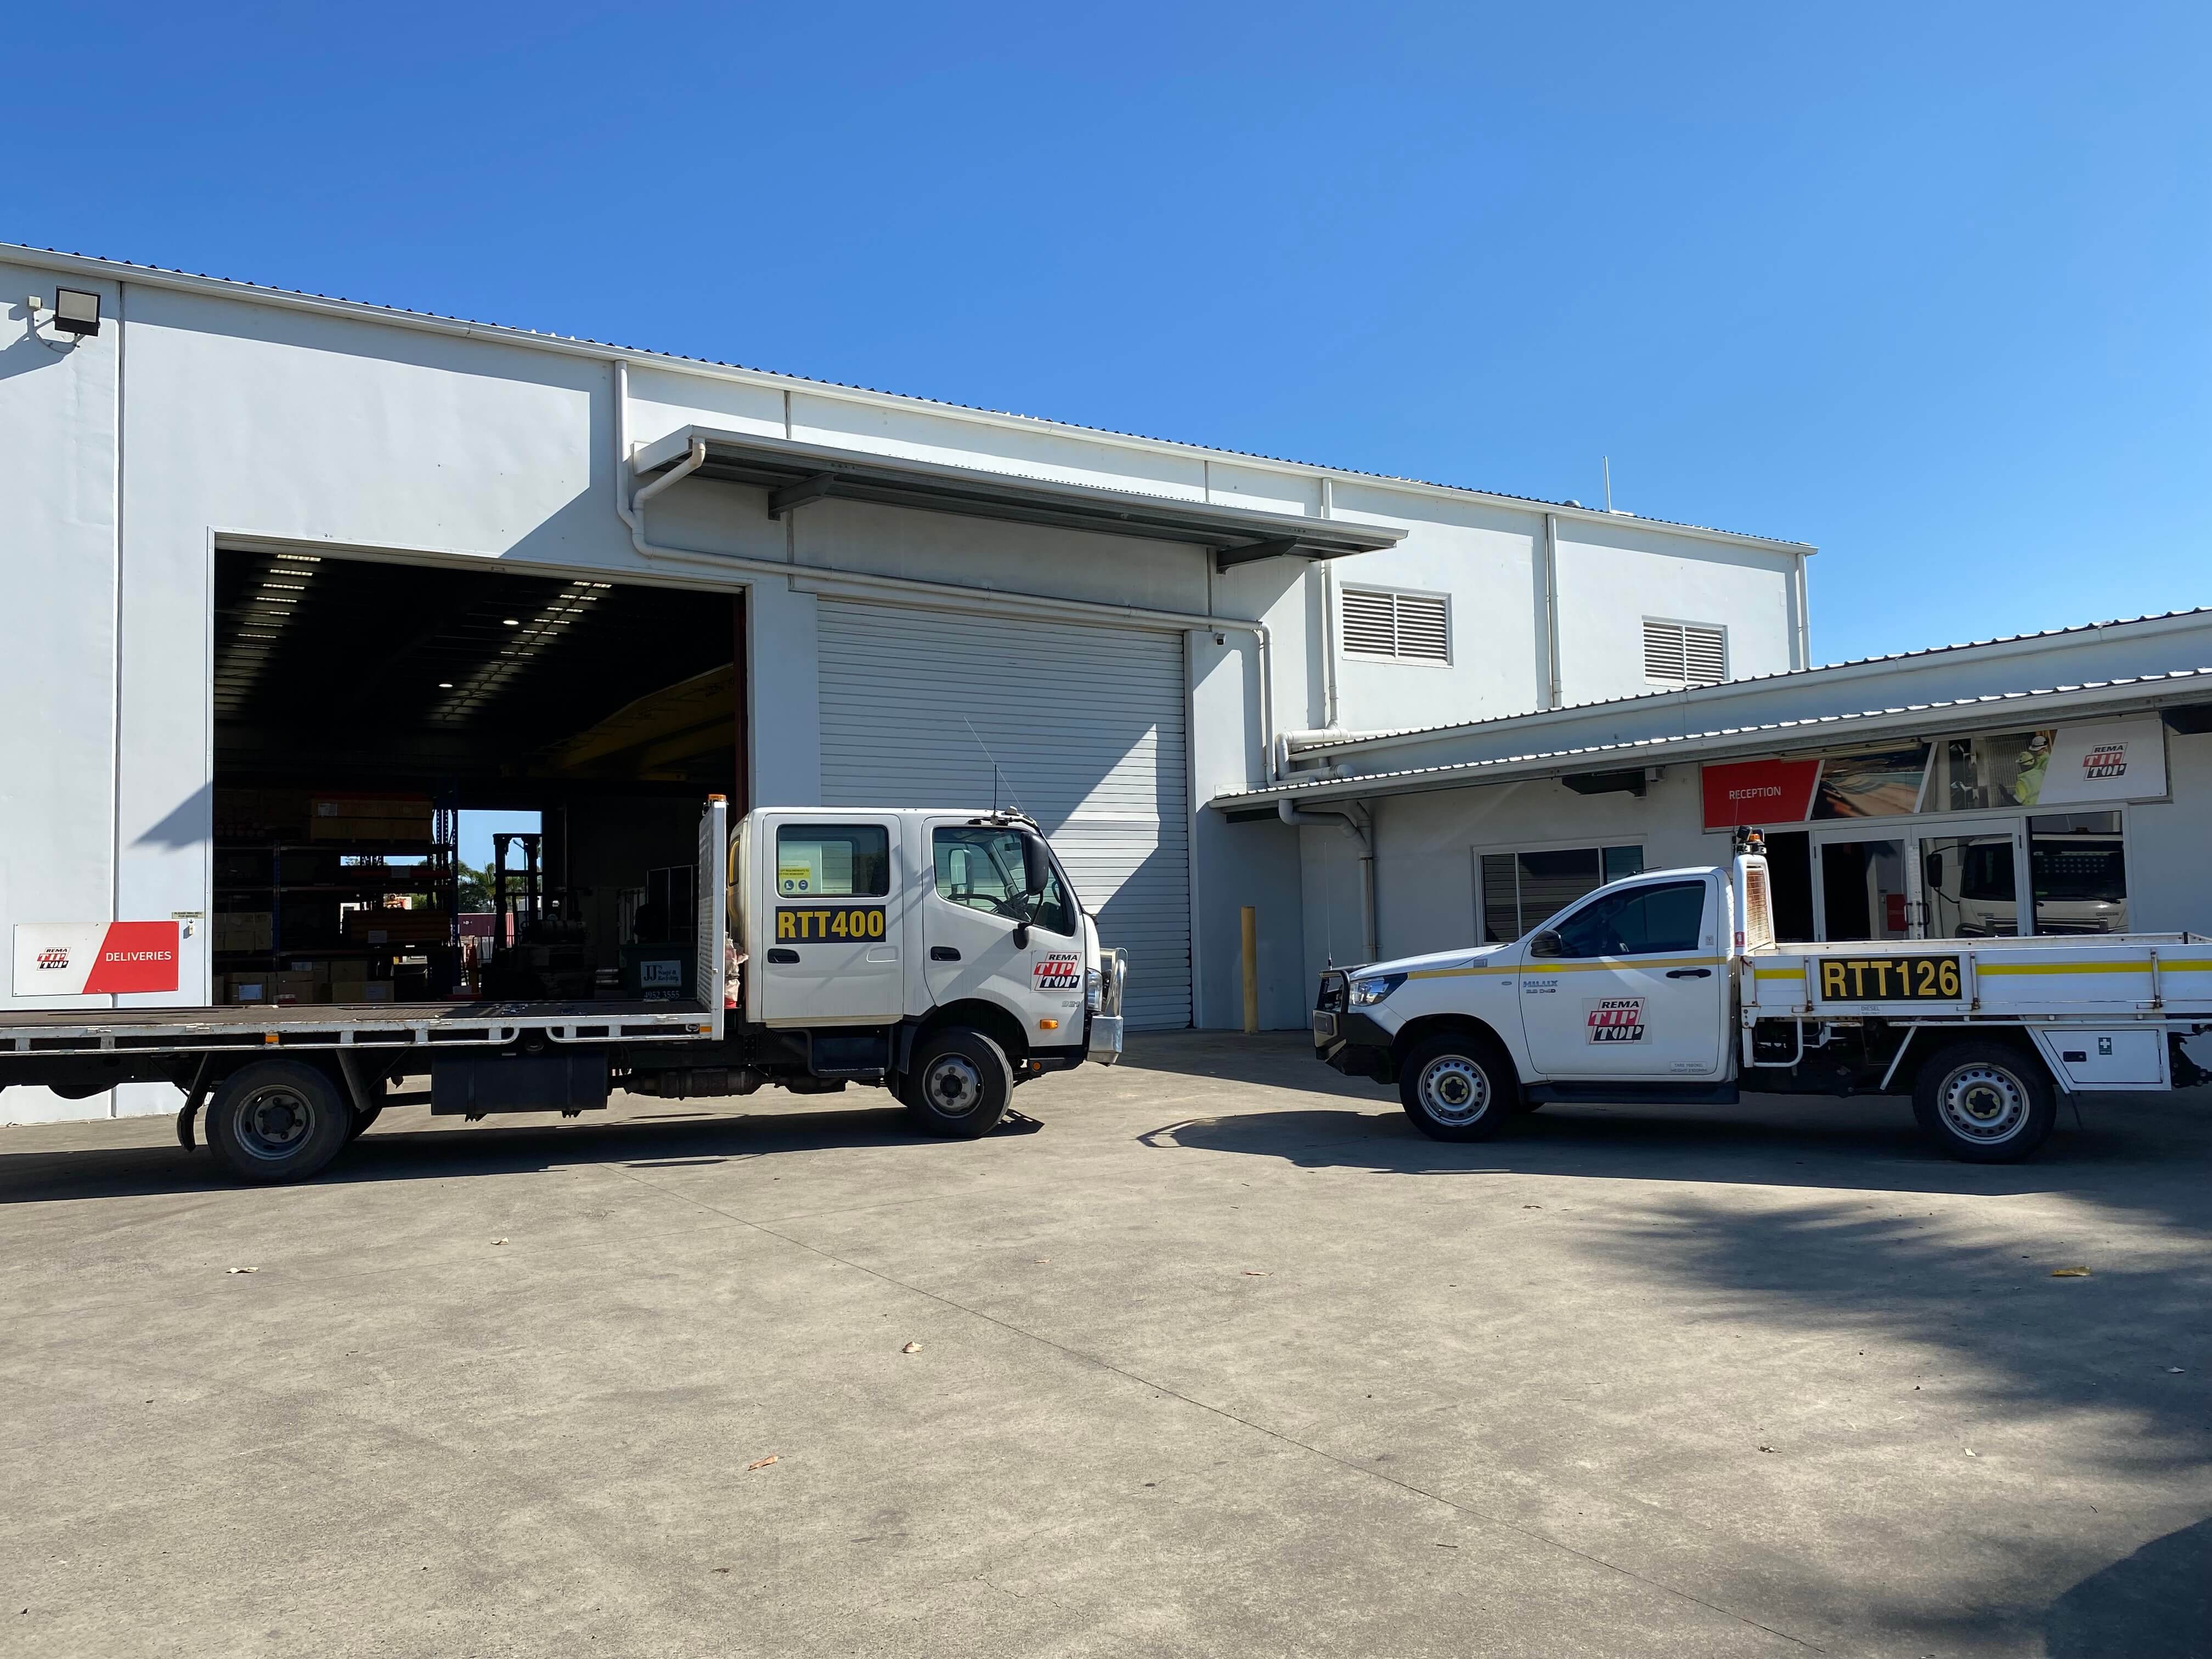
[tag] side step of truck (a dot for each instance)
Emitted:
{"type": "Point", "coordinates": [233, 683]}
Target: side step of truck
{"type": "Point", "coordinates": [1633, 1094]}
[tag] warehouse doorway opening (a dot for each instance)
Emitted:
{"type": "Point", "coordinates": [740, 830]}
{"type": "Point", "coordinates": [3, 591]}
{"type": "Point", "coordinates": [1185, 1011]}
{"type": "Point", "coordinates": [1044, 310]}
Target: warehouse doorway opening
{"type": "Point", "coordinates": [371, 717]}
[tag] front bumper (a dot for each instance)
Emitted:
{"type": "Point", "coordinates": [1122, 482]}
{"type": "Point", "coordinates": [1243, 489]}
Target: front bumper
{"type": "Point", "coordinates": [1105, 1045]}
{"type": "Point", "coordinates": [1350, 1042]}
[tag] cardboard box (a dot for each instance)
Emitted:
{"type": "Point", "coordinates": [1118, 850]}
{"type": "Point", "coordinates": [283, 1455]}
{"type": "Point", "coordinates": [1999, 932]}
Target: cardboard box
{"type": "Point", "coordinates": [390, 926]}
{"type": "Point", "coordinates": [349, 982]}
{"type": "Point", "coordinates": [406, 818]}
{"type": "Point", "coordinates": [294, 986]}
{"type": "Point", "coordinates": [244, 930]}
{"type": "Point", "coordinates": [377, 990]}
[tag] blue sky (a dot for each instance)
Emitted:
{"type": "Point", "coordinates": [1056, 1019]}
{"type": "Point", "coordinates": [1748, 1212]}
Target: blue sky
{"type": "Point", "coordinates": [1926, 286]}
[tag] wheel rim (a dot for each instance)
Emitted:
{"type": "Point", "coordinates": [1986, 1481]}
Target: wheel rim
{"type": "Point", "coordinates": [273, 1122]}
{"type": "Point", "coordinates": [1984, 1104]}
{"type": "Point", "coordinates": [1455, 1090]}
{"type": "Point", "coordinates": [953, 1084]}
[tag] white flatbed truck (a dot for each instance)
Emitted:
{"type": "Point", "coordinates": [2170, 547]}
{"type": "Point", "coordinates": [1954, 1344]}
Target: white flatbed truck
{"type": "Point", "coordinates": [1670, 986]}
{"type": "Point", "coordinates": [942, 955]}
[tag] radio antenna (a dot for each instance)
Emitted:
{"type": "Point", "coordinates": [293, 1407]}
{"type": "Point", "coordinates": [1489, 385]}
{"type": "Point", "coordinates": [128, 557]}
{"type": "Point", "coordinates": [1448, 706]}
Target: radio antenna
{"type": "Point", "coordinates": [997, 771]}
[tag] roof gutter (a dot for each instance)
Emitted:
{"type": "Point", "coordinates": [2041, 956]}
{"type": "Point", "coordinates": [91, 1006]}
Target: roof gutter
{"type": "Point", "coordinates": [1997, 711]}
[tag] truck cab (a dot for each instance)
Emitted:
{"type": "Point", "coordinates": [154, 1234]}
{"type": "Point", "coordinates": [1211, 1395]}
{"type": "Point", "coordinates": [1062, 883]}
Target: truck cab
{"type": "Point", "coordinates": [1629, 986]}
{"type": "Point", "coordinates": [867, 932]}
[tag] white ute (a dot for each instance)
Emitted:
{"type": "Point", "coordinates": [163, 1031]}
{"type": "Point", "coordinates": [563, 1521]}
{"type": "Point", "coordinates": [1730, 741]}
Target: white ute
{"type": "Point", "coordinates": [1670, 986]}
{"type": "Point", "coordinates": [944, 956]}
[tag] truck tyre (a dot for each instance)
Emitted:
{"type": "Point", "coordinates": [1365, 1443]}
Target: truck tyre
{"type": "Point", "coordinates": [1458, 1087]}
{"type": "Point", "coordinates": [277, 1121]}
{"type": "Point", "coordinates": [1985, 1103]}
{"type": "Point", "coordinates": [958, 1084]}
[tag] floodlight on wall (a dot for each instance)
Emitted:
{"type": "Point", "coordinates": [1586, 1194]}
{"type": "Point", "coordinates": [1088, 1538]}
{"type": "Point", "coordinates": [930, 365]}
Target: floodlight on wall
{"type": "Point", "coordinates": [77, 311]}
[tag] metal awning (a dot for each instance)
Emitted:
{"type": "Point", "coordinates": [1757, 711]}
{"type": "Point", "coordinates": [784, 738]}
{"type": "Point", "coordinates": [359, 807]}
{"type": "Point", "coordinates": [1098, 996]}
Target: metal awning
{"type": "Point", "coordinates": [795, 474]}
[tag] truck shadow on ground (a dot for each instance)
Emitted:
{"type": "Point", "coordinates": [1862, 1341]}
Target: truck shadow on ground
{"type": "Point", "coordinates": [1871, 1144]}
{"type": "Point", "coordinates": [418, 1147]}
{"type": "Point", "coordinates": [2156, 1603]}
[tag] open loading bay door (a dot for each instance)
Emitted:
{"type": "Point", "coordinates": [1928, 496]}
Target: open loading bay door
{"type": "Point", "coordinates": [1081, 727]}
{"type": "Point", "coordinates": [364, 710]}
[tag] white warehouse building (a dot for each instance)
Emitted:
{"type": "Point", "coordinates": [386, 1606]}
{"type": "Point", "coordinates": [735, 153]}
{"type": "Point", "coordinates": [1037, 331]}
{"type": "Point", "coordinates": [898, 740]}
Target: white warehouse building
{"type": "Point", "coordinates": [285, 574]}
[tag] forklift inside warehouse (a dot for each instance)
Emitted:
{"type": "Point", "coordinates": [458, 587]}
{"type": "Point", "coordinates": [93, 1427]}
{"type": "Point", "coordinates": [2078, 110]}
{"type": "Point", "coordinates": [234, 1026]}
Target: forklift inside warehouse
{"type": "Point", "coordinates": [361, 706]}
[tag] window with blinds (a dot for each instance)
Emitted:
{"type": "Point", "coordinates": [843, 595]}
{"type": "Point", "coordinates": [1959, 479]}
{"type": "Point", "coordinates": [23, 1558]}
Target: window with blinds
{"type": "Point", "coordinates": [1685, 653]}
{"type": "Point", "coordinates": [1411, 627]}
{"type": "Point", "coordinates": [1520, 890]}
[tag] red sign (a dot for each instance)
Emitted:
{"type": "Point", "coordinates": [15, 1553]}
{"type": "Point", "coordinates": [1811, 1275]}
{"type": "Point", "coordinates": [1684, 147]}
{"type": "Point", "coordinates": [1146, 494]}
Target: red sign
{"type": "Point", "coordinates": [135, 956]}
{"type": "Point", "coordinates": [1759, 792]}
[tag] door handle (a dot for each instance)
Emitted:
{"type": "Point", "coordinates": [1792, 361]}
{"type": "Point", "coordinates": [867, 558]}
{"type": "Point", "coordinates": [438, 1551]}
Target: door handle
{"type": "Point", "coordinates": [783, 956]}
{"type": "Point", "coordinates": [943, 953]}
{"type": "Point", "coordinates": [1689, 973]}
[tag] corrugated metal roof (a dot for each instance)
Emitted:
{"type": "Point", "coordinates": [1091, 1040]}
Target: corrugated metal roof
{"type": "Point", "coordinates": [403, 312]}
{"type": "Point", "coordinates": [1394, 733]}
{"type": "Point", "coordinates": [1817, 729]}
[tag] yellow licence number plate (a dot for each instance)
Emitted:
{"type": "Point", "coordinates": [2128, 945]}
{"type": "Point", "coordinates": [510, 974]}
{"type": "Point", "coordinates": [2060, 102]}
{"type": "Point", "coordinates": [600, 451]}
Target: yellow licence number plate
{"type": "Point", "coordinates": [828, 923]}
{"type": "Point", "coordinates": [1889, 979]}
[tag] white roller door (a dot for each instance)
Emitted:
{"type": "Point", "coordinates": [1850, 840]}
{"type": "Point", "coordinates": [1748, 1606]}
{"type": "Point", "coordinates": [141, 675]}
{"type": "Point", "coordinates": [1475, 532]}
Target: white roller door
{"type": "Point", "coordinates": [1087, 727]}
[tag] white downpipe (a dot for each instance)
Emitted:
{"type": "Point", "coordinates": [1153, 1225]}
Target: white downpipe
{"type": "Point", "coordinates": [1551, 601]}
{"type": "Point", "coordinates": [1362, 833]}
{"type": "Point", "coordinates": [942, 596]}
{"type": "Point", "coordinates": [1328, 710]}
{"type": "Point", "coordinates": [1804, 619]}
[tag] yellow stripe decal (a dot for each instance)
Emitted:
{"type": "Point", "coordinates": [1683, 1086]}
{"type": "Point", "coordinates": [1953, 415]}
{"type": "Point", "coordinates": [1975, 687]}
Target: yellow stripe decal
{"type": "Point", "coordinates": [1548, 965]}
{"type": "Point", "coordinates": [1780, 973]}
{"type": "Point", "coordinates": [1991, 970]}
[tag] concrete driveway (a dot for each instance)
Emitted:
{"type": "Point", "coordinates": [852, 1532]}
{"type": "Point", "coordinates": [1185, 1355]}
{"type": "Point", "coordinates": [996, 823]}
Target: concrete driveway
{"type": "Point", "coordinates": [1216, 1357]}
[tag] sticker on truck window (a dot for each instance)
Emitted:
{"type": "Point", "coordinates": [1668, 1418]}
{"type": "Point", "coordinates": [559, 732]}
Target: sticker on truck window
{"type": "Point", "coordinates": [1889, 979]}
{"type": "Point", "coordinates": [1614, 1020]}
{"type": "Point", "coordinates": [796, 925]}
{"type": "Point", "coordinates": [1057, 971]}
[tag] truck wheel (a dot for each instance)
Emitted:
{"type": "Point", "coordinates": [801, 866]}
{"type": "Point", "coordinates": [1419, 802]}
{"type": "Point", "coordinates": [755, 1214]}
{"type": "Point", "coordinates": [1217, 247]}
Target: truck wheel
{"type": "Point", "coordinates": [1458, 1087]}
{"type": "Point", "coordinates": [958, 1084]}
{"type": "Point", "coordinates": [278, 1119]}
{"type": "Point", "coordinates": [1985, 1103]}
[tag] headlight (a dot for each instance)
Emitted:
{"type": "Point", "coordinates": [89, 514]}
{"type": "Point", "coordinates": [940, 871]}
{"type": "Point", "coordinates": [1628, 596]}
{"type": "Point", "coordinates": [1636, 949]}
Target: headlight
{"type": "Point", "coordinates": [1365, 992]}
{"type": "Point", "coordinates": [1094, 990]}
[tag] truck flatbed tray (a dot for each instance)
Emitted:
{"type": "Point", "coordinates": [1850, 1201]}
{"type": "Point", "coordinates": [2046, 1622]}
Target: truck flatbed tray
{"type": "Point", "coordinates": [334, 1025]}
{"type": "Point", "coordinates": [2133, 977]}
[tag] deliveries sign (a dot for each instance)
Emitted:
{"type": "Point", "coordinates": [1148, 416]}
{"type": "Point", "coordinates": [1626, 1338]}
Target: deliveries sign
{"type": "Point", "coordinates": [95, 960]}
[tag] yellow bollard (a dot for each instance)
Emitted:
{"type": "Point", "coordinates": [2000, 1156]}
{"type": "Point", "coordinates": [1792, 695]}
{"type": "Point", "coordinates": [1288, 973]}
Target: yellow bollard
{"type": "Point", "coordinates": [1251, 971]}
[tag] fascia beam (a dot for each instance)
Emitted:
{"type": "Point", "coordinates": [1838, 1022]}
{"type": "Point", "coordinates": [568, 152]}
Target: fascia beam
{"type": "Point", "coordinates": [820, 487]}
{"type": "Point", "coordinates": [1225, 558]}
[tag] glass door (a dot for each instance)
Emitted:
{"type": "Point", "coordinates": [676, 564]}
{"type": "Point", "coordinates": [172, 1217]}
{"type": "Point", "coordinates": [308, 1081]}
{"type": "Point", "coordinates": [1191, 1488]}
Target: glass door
{"type": "Point", "coordinates": [1971, 882]}
{"type": "Point", "coordinates": [1865, 887]}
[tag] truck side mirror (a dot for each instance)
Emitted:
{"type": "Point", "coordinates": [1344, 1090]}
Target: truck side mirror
{"type": "Point", "coordinates": [1932, 868]}
{"type": "Point", "coordinates": [1548, 944]}
{"type": "Point", "coordinates": [1036, 867]}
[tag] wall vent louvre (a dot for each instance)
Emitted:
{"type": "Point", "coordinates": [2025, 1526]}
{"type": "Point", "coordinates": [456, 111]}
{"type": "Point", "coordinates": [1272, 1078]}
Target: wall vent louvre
{"type": "Point", "coordinates": [1685, 653]}
{"type": "Point", "coordinates": [1410, 627]}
